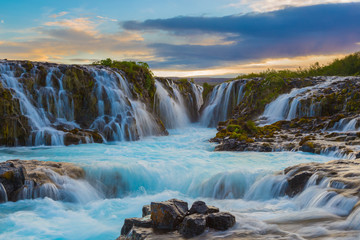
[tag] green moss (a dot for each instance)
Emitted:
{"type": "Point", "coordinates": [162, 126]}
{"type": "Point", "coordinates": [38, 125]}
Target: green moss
{"type": "Point", "coordinates": [207, 89]}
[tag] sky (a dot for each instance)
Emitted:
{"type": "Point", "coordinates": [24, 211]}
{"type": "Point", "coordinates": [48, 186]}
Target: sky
{"type": "Point", "coordinates": [182, 38]}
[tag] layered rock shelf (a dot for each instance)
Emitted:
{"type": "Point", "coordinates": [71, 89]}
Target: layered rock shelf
{"type": "Point", "coordinates": [27, 179]}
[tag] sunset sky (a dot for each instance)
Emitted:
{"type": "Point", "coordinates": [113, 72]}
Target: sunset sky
{"type": "Point", "coordinates": [182, 37]}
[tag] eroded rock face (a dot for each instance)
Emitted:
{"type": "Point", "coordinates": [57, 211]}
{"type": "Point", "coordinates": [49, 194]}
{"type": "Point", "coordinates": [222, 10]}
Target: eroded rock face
{"type": "Point", "coordinates": [168, 215]}
{"type": "Point", "coordinates": [17, 175]}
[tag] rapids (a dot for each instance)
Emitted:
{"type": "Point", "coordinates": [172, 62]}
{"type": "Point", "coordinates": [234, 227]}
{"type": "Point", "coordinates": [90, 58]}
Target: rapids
{"type": "Point", "coordinates": [121, 177]}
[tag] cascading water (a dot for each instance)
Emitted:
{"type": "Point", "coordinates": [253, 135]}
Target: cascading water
{"type": "Point", "coordinates": [170, 105]}
{"type": "Point", "coordinates": [224, 97]}
{"type": "Point", "coordinates": [288, 106]}
{"type": "Point", "coordinates": [122, 177]}
{"type": "Point", "coordinates": [51, 102]}
{"type": "Point", "coordinates": [346, 125]}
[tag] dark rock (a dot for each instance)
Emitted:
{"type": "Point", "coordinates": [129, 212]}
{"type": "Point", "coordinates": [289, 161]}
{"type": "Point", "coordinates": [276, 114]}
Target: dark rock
{"type": "Point", "coordinates": [129, 223]}
{"type": "Point", "coordinates": [193, 225]}
{"type": "Point", "coordinates": [169, 214]}
{"type": "Point", "coordinates": [198, 207]}
{"type": "Point", "coordinates": [212, 209]}
{"type": "Point", "coordinates": [297, 183]}
{"type": "Point", "coordinates": [220, 221]}
{"type": "Point", "coordinates": [146, 211]}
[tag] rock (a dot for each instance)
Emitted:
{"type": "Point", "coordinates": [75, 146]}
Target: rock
{"type": "Point", "coordinates": [137, 233]}
{"type": "Point", "coordinates": [169, 214]}
{"type": "Point", "coordinates": [146, 210]}
{"type": "Point", "coordinates": [212, 209]}
{"type": "Point", "coordinates": [198, 207]}
{"type": "Point", "coordinates": [3, 194]}
{"type": "Point", "coordinates": [220, 221]}
{"type": "Point", "coordinates": [297, 183]}
{"type": "Point", "coordinates": [193, 225]}
{"type": "Point", "coordinates": [30, 175]}
{"type": "Point", "coordinates": [129, 223]}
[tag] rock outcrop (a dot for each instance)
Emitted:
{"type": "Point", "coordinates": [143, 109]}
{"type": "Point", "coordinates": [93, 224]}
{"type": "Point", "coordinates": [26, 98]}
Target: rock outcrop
{"type": "Point", "coordinates": [25, 178]}
{"type": "Point", "coordinates": [319, 119]}
{"type": "Point", "coordinates": [172, 219]}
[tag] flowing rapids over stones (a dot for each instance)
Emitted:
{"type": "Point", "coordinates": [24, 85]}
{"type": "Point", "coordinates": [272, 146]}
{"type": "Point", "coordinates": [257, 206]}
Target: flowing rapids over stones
{"type": "Point", "coordinates": [223, 98]}
{"type": "Point", "coordinates": [123, 177]}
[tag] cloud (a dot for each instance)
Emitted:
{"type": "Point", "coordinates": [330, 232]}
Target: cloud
{"type": "Point", "coordinates": [271, 5]}
{"type": "Point", "coordinates": [60, 14]}
{"type": "Point", "coordinates": [2, 21]}
{"type": "Point", "coordinates": [74, 39]}
{"type": "Point", "coordinates": [286, 33]}
{"type": "Point", "coordinates": [79, 24]}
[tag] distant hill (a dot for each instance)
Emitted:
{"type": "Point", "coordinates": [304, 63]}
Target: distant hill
{"type": "Point", "coordinates": [201, 81]}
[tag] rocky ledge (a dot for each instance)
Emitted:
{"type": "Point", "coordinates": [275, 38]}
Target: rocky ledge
{"type": "Point", "coordinates": [311, 134]}
{"type": "Point", "coordinates": [173, 220]}
{"type": "Point", "coordinates": [343, 176]}
{"type": "Point", "coordinates": [26, 179]}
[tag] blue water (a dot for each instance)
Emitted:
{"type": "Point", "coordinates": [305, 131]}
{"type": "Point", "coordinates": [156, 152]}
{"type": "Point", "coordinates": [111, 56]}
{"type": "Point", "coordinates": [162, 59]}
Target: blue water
{"type": "Point", "coordinates": [125, 176]}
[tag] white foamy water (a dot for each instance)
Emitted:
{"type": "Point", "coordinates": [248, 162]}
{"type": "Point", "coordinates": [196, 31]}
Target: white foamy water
{"type": "Point", "coordinates": [124, 176]}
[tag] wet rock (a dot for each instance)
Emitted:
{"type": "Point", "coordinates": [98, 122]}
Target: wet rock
{"type": "Point", "coordinates": [30, 175]}
{"type": "Point", "coordinates": [169, 214]}
{"type": "Point", "coordinates": [199, 207]}
{"type": "Point", "coordinates": [193, 225]}
{"type": "Point", "coordinates": [146, 211]}
{"type": "Point", "coordinates": [212, 209]}
{"type": "Point", "coordinates": [129, 223]}
{"type": "Point", "coordinates": [3, 194]}
{"type": "Point", "coordinates": [137, 233]}
{"type": "Point", "coordinates": [220, 221]}
{"type": "Point", "coordinates": [297, 183]}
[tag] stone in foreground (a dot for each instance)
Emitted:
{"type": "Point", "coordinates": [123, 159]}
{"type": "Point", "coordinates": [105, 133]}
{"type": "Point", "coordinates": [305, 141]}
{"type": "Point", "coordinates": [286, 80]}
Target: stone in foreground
{"type": "Point", "coordinates": [220, 221]}
{"type": "Point", "coordinates": [169, 214]}
{"type": "Point", "coordinates": [193, 225]}
{"type": "Point", "coordinates": [201, 208]}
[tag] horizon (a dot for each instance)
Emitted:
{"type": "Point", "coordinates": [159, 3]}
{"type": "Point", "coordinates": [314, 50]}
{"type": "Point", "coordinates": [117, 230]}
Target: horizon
{"type": "Point", "coordinates": [211, 39]}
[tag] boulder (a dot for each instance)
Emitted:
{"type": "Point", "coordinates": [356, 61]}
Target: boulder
{"type": "Point", "coordinates": [193, 225]}
{"type": "Point", "coordinates": [146, 211]}
{"type": "Point", "coordinates": [169, 214]}
{"type": "Point", "coordinates": [198, 207]}
{"type": "Point", "coordinates": [201, 208]}
{"type": "Point", "coordinates": [297, 183]}
{"type": "Point", "coordinates": [220, 221]}
{"type": "Point", "coordinates": [129, 223]}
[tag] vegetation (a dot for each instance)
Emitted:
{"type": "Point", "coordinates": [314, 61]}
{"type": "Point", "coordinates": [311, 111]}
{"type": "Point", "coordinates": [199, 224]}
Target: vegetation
{"type": "Point", "coordinates": [138, 73]}
{"type": "Point", "coordinates": [207, 89]}
{"type": "Point", "coordinates": [347, 66]}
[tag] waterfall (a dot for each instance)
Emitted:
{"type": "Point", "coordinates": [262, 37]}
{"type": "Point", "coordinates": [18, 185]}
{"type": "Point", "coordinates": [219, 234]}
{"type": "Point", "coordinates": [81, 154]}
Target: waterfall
{"type": "Point", "coordinates": [346, 125]}
{"type": "Point", "coordinates": [119, 116]}
{"type": "Point", "coordinates": [220, 103]}
{"type": "Point", "coordinates": [170, 105]}
{"type": "Point", "coordinates": [288, 106]}
{"type": "Point", "coordinates": [50, 97]}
